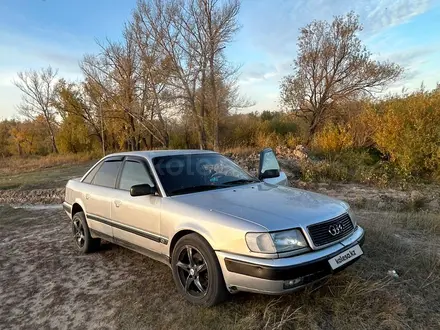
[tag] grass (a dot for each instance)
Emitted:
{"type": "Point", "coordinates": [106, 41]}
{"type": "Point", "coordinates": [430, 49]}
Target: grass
{"type": "Point", "coordinates": [364, 296]}
{"type": "Point", "coordinates": [424, 222]}
{"type": "Point", "coordinates": [51, 171]}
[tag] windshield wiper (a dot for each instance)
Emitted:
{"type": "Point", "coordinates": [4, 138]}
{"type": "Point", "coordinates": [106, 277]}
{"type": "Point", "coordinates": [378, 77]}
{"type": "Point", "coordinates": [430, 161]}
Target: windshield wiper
{"type": "Point", "coordinates": [193, 189]}
{"type": "Point", "coordinates": [240, 181]}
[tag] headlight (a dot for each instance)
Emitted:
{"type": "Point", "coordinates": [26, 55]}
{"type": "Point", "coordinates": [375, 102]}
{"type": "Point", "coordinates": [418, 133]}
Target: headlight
{"type": "Point", "coordinates": [260, 242]}
{"type": "Point", "coordinates": [350, 212]}
{"type": "Point", "coordinates": [352, 217]}
{"type": "Point", "coordinates": [278, 242]}
{"type": "Point", "coordinates": [288, 240]}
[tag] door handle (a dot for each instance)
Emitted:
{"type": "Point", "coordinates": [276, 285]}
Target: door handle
{"type": "Point", "coordinates": [87, 196]}
{"type": "Point", "coordinates": [118, 203]}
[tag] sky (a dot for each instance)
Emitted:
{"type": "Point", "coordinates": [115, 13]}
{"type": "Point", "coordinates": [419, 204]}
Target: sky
{"type": "Point", "coordinates": [38, 33]}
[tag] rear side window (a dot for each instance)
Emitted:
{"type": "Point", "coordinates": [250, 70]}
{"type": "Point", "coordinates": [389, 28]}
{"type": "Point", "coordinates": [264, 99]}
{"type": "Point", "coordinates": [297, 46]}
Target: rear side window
{"type": "Point", "coordinates": [107, 174]}
{"type": "Point", "coordinates": [134, 173]}
{"type": "Point", "coordinates": [91, 175]}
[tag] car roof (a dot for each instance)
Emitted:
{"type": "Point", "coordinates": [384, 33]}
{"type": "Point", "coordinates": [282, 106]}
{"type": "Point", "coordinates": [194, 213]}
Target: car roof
{"type": "Point", "coordinates": [150, 154]}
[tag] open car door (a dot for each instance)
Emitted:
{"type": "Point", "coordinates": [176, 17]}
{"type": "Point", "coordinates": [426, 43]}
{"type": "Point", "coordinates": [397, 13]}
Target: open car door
{"type": "Point", "coordinates": [269, 170]}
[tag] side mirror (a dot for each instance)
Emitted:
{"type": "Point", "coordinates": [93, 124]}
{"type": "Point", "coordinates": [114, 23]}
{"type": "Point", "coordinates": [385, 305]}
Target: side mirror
{"type": "Point", "coordinates": [268, 174]}
{"type": "Point", "coordinates": [142, 190]}
{"type": "Point", "coordinates": [269, 167]}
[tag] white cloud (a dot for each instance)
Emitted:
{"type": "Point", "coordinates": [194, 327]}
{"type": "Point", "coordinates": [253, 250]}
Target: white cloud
{"type": "Point", "coordinates": [385, 14]}
{"type": "Point", "coordinates": [257, 72]}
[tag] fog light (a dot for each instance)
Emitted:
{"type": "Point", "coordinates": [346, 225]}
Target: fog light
{"type": "Point", "coordinates": [292, 283]}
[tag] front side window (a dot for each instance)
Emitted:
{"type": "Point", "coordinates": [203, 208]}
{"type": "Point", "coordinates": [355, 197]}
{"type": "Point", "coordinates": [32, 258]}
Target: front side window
{"type": "Point", "coordinates": [107, 174]}
{"type": "Point", "coordinates": [185, 174]}
{"type": "Point", "coordinates": [134, 173]}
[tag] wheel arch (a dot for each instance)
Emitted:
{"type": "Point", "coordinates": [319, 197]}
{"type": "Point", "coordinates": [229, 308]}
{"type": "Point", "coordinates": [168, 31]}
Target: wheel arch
{"type": "Point", "coordinates": [78, 206]}
{"type": "Point", "coordinates": [184, 232]}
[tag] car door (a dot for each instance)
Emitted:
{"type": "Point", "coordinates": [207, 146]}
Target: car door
{"type": "Point", "coordinates": [137, 219]}
{"type": "Point", "coordinates": [100, 194]}
{"type": "Point", "coordinates": [269, 169]}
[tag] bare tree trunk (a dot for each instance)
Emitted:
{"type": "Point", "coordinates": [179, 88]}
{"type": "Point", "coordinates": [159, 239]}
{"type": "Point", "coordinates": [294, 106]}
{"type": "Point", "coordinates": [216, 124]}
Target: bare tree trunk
{"type": "Point", "coordinates": [102, 129]}
{"type": "Point", "coordinates": [201, 133]}
{"type": "Point", "coordinates": [20, 151]}
{"type": "Point", "coordinates": [313, 129]}
{"type": "Point", "coordinates": [215, 103]}
{"type": "Point", "coordinates": [52, 137]}
{"type": "Point", "coordinates": [151, 135]}
{"type": "Point", "coordinates": [167, 140]}
{"type": "Point", "coordinates": [203, 144]}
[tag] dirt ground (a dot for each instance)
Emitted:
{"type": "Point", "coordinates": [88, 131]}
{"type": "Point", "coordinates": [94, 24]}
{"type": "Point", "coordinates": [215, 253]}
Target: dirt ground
{"type": "Point", "coordinates": [45, 283]}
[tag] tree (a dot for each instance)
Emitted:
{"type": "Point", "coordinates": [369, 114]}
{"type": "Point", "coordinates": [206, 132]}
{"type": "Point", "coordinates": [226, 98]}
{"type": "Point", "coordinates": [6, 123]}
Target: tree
{"type": "Point", "coordinates": [82, 100]}
{"type": "Point", "coordinates": [332, 66]}
{"type": "Point", "coordinates": [155, 93]}
{"type": "Point", "coordinates": [216, 27]}
{"type": "Point", "coordinates": [131, 74]}
{"type": "Point", "coordinates": [38, 88]}
{"type": "Point", "coordinates": [29, 137]}
{"type": "Point", "coordinates": [192, 36]}
{"type": "Point", "coordinates": [5, 128]}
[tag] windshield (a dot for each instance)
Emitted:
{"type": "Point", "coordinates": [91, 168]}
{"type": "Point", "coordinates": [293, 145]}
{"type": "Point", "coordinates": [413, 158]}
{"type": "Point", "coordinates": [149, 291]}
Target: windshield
{"type": "Point", "coordinates": [185, 174]}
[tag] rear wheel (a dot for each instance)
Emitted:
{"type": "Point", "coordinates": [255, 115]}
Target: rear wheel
{"type": "Point", "coordinates": [196, 271]}
{"type": "Point", "coordinates": [81, 234]}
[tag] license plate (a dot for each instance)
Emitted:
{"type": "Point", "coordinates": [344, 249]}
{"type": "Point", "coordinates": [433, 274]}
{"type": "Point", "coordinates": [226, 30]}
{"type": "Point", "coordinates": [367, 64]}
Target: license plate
{"type": "Point", "coordinates": [346, 256]}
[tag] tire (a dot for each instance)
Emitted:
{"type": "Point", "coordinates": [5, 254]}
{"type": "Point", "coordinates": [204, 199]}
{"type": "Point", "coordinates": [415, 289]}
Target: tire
{"type": "Point", "coordinates": [199, 284]}
{"type": "Point", "coordinates": [81, 234]}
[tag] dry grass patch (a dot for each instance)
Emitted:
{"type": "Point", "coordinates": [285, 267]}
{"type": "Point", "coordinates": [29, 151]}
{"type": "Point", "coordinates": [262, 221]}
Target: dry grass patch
{"type": "Point", "coordinates": [42, 172]}
{"type": "Point", "coordinates": [14, 165]}
{"type": "Point", "coordinates": [426, 222]}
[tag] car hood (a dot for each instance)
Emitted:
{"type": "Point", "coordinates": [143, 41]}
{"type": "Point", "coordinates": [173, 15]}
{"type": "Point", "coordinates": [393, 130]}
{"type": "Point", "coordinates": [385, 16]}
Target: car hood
{"type": "Point", "coordinates": [273, 207]}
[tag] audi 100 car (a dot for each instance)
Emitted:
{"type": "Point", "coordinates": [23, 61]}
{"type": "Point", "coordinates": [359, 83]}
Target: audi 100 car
{"type": "Point", "coordinates": [219, 229]}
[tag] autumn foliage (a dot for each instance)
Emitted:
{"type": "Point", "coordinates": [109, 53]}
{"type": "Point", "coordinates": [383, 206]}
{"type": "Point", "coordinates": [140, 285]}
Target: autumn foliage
{"type": "Point", "coordinates": [407, 130]}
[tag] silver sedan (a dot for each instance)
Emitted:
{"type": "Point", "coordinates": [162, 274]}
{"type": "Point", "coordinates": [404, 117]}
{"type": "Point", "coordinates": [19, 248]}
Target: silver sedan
{"type": "Point", "coordinates": [219, 229]}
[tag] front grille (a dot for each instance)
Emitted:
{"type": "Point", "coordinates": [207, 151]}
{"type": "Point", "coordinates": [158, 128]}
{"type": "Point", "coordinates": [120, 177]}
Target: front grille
{"type": "Point", "coordinates": [321, 233]}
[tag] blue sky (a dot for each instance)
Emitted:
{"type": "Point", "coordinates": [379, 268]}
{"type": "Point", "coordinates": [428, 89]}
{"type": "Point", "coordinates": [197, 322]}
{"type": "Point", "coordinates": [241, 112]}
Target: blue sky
{"type": "Point", "coordinates": [36, 33]}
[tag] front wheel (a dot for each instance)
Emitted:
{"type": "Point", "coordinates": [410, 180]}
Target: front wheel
{"type": "Point", "coordinates": [196, 271]}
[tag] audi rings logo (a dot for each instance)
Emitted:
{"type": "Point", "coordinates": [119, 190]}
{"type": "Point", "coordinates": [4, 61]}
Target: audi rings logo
{"type": "Point", "coordinates": [335, 229]}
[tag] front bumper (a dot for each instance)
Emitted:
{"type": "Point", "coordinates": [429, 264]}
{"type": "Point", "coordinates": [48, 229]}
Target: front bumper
{"type": "Point", "coordinates": [272, 276]}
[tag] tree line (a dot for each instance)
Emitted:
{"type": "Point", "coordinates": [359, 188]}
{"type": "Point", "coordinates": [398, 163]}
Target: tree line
{"type": "Point", "coordinates": [168, 68]}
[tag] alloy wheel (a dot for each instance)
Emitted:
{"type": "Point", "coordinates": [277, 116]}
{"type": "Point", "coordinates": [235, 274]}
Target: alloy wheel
{"type": "Point", "coordinates": [78, 232]}
{"type": "Point", "coordinates": [193, 271]}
